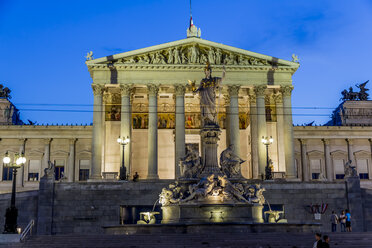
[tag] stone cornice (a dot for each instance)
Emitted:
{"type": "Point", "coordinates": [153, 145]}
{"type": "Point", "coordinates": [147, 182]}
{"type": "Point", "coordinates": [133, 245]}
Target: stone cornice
{"type": "Point", "coordinates": [160, 67]}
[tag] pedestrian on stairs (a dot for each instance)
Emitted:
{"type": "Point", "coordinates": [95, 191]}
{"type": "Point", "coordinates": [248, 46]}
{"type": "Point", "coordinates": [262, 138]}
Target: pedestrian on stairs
{"type": "Point", "coordinates": [348, 220]}
{"type": "Point", "coordinates": [334, 221]}
{"type": "Point", "coordinates": [325, 243]}
{"type": "Point", "coordinates": [342, 219]}
{"type": "Point", "coordinates": [318, 243]}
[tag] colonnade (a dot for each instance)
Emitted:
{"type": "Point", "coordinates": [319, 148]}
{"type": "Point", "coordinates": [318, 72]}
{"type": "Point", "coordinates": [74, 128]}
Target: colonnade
{"type": "Point", "coordinates": [257, 120]}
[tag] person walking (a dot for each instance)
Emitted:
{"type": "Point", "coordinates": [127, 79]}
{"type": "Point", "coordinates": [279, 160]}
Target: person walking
{"type": "Point", "coordinates": [318, 241]}
{"type": "Point", "coordinates": [342, 219]}
{"type": "Point", "coordinates": [325, 243]}
{"type": "Point", "coordinates": [334, 221]}
{"type": "Point", "coordinates": [348, 220]}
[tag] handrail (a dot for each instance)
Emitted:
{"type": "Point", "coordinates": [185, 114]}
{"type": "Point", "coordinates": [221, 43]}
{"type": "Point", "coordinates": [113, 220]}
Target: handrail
{"type": "Point", "coordinates": [28, 230]}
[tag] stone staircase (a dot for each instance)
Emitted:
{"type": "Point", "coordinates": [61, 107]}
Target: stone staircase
{"type": "Point", "coordinates": [254, 240]}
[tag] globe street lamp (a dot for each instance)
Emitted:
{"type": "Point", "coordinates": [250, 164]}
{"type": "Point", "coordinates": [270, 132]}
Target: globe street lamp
{"type": "Point", "coordinates": [123, 170]}
{"type": "Point", "coordinates": [267, 141]}
{"type": "Point", "coordinates": [12, 212]}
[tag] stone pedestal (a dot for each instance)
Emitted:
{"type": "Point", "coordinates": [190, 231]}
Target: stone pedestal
{"type": "Point", "coordinates": [212, 213]}
{"type": "Point", "coordinates": [210, 136]}
{"type": "Point", "coordinates": [355, 203]}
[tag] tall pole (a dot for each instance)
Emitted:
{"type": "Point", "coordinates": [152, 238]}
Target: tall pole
{"type": "Point", "coordinates": [123, 171]}
{"type": "Point", "coordinates": [267, 155]}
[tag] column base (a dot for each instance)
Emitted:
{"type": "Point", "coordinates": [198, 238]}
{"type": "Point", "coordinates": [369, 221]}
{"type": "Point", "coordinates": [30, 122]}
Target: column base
{"type": "Point", "coordinates": [152, 177]}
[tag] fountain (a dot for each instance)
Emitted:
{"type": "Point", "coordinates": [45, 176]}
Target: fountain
{"type": "Point", "coordinates": [206, 192]}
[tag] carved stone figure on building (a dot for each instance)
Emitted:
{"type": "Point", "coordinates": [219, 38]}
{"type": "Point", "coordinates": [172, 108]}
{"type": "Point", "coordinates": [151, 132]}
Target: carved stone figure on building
{"type": "Point", "coordinates": [211, 56]}
{"type": "Point", "coordinates": [230, 60]}
{"type": "Point", "coordinates": [176, 54]}
{"type": "Point", "coordinates": [4, 92]}
{"type": "Point", "coordinates": [363, 95]}
{"type": "Point", "coordinates": [230, 162]}
{"type": "Point", "coordinates": [170, 56]}
{"type": "Point", "coordinates": [350, 170]}
{"type": "Point", "coordinates": [203, 58]}
{"type": "Point", "coordinates": [190, 165]}
{"type": "Point", "coordinates": [184, 58]}
{"type": "Point", "coordinates": [193, 54]}
{"type": "Point", "coordinates": [207, 93]}
{"type": "Point", "coordinates": [243, 60]}
{"type": "Point", "coordinates": [218, 56]}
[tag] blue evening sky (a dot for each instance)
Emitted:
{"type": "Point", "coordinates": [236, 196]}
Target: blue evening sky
{"type": "Point", "coordinates": [43, 44]}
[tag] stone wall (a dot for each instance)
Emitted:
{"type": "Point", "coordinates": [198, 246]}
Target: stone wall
{"type": "Point", "coordinates": [26, 203]}
{"type": "Point", "coordinates": [86, 207]}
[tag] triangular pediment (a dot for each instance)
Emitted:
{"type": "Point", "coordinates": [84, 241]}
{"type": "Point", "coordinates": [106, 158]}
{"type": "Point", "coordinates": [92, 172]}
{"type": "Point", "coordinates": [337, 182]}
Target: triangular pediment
{"type": "Point", "coordinates": [193, 51]}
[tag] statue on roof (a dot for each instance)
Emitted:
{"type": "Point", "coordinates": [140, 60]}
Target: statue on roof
{"type": "Point", "coordinates": [363, 95]}
{"type": "Point", "coordinates": [4, 92]}
{"type": "Point", "coordinates": [351, 95]}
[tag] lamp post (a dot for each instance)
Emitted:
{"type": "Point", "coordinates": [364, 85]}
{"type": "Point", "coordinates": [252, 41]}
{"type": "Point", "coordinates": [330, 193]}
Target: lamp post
{"type": "Point", "coordinates": [123, 170]}
{"type": "Point", "coordinates": [12, 212]}
{"type": "Point", "coordinates": [267, 141]}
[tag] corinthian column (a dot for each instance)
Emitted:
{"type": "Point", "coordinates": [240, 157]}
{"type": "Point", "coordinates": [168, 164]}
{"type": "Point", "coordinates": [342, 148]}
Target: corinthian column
{"type": "Point", "coordinates": [71, 161]}
{"type": "Point", "coordinates": [46, 156]}
{"type": "Point", "coordinates": [254, 135]}
{"type": "Point", "coordinates": [97, 134]}
{"type": "Point", "coordinates": [261, 127]}
{"type": "Point", "coordinates": [21, 171]}
{"type": "Point", "coordinates": [153, 132]}
{"type": "Point", "coordinates": [180, 126]}
{"type": "Point", "coordinates": [234, 118]}
{"type": "Point", "coordinates": [327, 159]}
{"type": "Point", "coordinates": [279, 129]}
{"type": "Point", "coordinates": [288, 131]}
{"type": "Point", "coordinates": [305, 166]}
{"type": "Point", "coordinates": [125, 125]}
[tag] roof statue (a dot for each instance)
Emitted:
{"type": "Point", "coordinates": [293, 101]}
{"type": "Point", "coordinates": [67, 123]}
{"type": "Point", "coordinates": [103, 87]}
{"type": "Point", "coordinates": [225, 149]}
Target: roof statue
{"type": "Point", "coordinates": [295, 58]}
{"type": "Point", "coordinates": [89, 55]}
{"type": "Point", "coordinates": [4, 92]}
{"type": "Point", "coordinates": [351, 95]}
{"type": "Point", "coordinates": [193, 30]}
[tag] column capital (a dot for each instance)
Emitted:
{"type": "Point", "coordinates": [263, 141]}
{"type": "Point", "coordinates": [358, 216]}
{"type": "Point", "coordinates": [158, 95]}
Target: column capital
{"type": "Point", "coordinates": [233, 89]}
{"type": "Point", "coordinates": [152, 89]}
{"type": "Point", "coordinates": [72, 141]}
{"type": "Point", "coordinates": [252, 98]}
{"type": "Point", "coordinates": [326, 141]}
{"type": "Point", "coordinates": [286, 90]}
{"type": "Point", "coordinates": [303, 141]}
{"type": "Point", "coordinates": [278, 98]}
{"type": "Point", "coordinates": [226, 99]}
{"type": "Point", "coordinates": [47, 141]}
{"type": "Point", "coordinates": [349, 141]}
{"type": "Point", "coordinates": [179, 89]}
{"type": "Point", "coordinates": [98, 89]}
{"type": "Point", "coordinates": [126, 89]}
{"type": "Point", "coordinates": [260, 90]}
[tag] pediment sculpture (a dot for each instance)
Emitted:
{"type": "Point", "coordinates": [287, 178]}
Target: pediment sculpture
{"type": "Point", "coordinates": [194, 54]}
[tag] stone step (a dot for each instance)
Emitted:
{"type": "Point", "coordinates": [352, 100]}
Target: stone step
{"type": "Point", "coordinates": [256, 240]}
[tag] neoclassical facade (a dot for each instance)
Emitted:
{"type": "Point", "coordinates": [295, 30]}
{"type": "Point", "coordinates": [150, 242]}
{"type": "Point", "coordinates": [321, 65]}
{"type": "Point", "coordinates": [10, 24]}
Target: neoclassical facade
{"type": "Point", "coordinates": [145, 95]}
